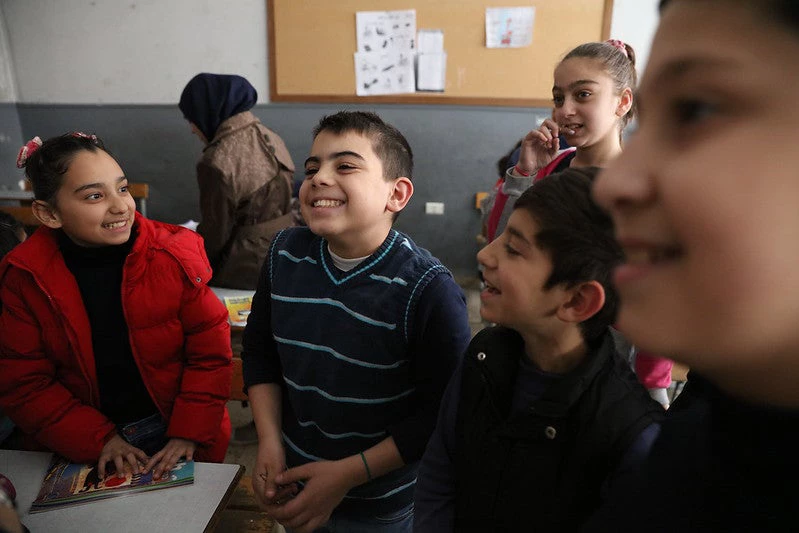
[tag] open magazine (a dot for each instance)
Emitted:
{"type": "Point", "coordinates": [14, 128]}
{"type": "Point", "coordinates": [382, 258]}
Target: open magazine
{"type": "Point", "coordinates": [238, 308]}
{"type": "Point", "coordinates": [67, 484]}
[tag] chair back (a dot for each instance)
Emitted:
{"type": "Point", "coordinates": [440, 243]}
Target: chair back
{"type": "Point", "coordinates": [23, 213]}
{"type": "Point", "coordinates": [140, 192]}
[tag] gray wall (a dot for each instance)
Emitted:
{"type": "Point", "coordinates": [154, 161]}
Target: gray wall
{"type": "Point", "coordinates": [455, 148]}
{"type": "Point", "coordinates": [10, 142]}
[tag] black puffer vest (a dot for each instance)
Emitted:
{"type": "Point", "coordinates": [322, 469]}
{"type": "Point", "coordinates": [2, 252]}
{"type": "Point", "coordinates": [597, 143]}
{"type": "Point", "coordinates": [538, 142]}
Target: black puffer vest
{"type": "Point", "coordinates": [542, 469]}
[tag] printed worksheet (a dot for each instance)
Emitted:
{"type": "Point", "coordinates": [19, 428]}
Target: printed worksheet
{"type": "Point", "coordinates": [384, 73]}
{"type": "Point", "coordinates": [383, 31]}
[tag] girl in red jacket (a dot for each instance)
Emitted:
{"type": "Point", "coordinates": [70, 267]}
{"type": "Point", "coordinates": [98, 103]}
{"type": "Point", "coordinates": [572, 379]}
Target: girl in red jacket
{"type": "Point", "coordinates": [112, 347]}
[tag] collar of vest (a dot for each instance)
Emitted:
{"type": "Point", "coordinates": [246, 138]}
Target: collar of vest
{"type": "Point", "coordinates": [495, 351]}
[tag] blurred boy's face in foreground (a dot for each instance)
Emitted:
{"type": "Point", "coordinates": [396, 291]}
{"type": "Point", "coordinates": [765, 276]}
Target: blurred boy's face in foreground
{"type": "Point", "coordinates": [515, 271]}
{"type": "Point", "coordinates": [705, 198]}
{"type": "Point", "coordinates": [345, 197]}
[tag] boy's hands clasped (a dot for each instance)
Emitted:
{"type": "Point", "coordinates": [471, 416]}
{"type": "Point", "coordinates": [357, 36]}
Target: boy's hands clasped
{"type": "Point", "coordinates": [326, 484]}
{"type": "Point", "coordinates": [268, 464]}
{"type": "Point", "coordinates": [119, 451]}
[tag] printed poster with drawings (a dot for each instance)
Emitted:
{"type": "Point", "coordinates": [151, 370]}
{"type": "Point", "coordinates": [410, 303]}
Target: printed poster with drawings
{"type": "Point", "coordinates": [66, 484]}
{"type": "Point", "coordinates": [385, 56]}
{"type": "Point", "coordinates": [509, 27]}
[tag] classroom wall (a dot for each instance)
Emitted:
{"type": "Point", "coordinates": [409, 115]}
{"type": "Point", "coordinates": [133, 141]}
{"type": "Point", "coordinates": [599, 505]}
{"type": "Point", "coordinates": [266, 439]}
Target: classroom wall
{"type": "Point", "coordinates": [10, 128]}
{"type": "Point", "coordinates": [131, 102]}
{"type": "Point", "coordinates": [132, 52]}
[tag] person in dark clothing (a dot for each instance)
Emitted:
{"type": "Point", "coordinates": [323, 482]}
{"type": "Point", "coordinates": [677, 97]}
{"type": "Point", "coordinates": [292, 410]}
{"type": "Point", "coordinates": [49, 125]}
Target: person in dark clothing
{"type": "Point", "coordinates": [353, 335]}
{"type": "Point", "coordinates": [704, 201]}
{"type": "Point", "coordinates": [544, 413]}
{"type": "Point", "coordinates": [245, 177]}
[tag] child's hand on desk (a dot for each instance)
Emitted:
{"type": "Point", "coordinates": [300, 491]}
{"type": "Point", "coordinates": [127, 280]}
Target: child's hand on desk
{"type": "Point", "coordinates": [326, 484]}
{"type": "Point", "coordinates": [120, 451]}
{"type": "Point", "coordinates": [166, 459]}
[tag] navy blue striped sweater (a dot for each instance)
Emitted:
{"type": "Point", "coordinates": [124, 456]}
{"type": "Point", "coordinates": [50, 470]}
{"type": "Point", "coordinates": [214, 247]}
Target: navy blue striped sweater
{"type": "Point", "coordinates": [360, 355]}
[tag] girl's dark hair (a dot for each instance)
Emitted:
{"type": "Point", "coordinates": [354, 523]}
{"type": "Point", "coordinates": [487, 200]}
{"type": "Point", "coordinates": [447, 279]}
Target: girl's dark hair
{"type": "Point", "coordinates": [46, 167]}
{"type": "Point", "coordinates": [618, 65]}
{"type": "Point", "coordinates": [11, 233]}
{"type": "Point", "coordinates": [785, 12]}
{"type": "Point", "coordinates": [578, 237]}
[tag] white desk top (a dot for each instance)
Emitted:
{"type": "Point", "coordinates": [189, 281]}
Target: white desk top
{"type": "Point", "coordinates": [177, 509]}
{"type": "Point", "coordinates": [222, 292]}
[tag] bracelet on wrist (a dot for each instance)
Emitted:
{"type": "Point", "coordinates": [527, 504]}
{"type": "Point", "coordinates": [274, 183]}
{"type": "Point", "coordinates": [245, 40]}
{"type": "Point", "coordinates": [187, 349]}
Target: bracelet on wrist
{"type": "Point", "coordinates": [521, 172]}
{"type": "Point", "coordinates": [366, 465]}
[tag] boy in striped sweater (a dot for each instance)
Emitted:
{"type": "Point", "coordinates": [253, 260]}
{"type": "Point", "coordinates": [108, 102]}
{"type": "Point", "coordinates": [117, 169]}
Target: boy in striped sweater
{"type": "Point", "coordinates": [353, 335]}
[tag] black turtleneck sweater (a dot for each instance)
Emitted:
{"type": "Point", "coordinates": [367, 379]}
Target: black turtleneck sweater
{"type": "Point", "coordinates": [98, 271]}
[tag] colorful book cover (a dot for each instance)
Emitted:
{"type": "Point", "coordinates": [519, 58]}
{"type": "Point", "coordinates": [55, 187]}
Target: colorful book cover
{"type": "Point", "coordinates": [67, 484]}
{"type": "Point", "coordinates": [238, 308]}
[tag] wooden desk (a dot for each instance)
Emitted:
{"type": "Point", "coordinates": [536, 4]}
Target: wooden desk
{"type": "Point", "coordinates": [187, 509]}
{"type": "Point", "coordinates": [16, 195]}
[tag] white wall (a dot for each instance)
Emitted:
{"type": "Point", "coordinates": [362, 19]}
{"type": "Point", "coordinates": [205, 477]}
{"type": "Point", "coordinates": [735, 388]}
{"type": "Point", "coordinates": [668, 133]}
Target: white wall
{"type": "Point", "coordinates": [635, 22]}
{"type": "Point", "coordinates": [132, 51]}
{"type": "Point", "coordinates": [144, 51]}
{"type": "Point", "coordinates": [8, 87]}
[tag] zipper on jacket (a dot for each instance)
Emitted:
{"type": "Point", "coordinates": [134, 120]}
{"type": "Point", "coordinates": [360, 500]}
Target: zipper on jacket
{"type": "Point", "coordinates": [133, 347]}
{"type": "Point", "coordinates": [70, 333]}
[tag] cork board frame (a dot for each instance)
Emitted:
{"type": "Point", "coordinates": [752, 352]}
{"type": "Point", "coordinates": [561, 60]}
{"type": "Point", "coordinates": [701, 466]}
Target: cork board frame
{"type": "Point", "coordinates": [311, 46]}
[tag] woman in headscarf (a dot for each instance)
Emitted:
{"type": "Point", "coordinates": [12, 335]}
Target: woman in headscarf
{"type": "Point", "coordinates": [245, 177]}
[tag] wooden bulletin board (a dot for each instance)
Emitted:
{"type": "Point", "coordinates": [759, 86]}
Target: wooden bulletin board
{"type": "Point", "coordinates": [312, 43]}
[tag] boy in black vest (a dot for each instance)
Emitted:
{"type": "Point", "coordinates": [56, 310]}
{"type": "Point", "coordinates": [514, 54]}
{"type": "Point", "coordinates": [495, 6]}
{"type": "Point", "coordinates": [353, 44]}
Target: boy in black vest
{"type": "Point", "coordinates": [544, 412]}
{"type": "Point", "coordinates": [353, 336]}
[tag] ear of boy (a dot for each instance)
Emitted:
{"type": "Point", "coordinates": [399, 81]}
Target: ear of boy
{"type": "Point", "coordinates": [585, 300]}
{"type": "Point", "coordinates": [400, 195]}
{"type": "Point", "coordinates": [46, 214]}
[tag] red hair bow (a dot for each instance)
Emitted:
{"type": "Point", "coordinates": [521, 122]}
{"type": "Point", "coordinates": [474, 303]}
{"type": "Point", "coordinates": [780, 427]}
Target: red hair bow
{"type": "Point", "coordinates": [26, 151]}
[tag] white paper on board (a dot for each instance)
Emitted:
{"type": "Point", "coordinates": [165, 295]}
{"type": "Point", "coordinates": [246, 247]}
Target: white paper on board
{"type": "Point", "coordinates": [384, 73]}
{"type": "Point", "coordinates": [509, 27]}
{"type": "Point", "coordinates": [383, 31]}
{"type": "Point", "coordinates": [432, 72]}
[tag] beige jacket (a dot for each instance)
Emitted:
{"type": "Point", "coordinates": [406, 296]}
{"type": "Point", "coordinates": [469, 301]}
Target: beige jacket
{"type": "Point", "coordinates": [245, 179]}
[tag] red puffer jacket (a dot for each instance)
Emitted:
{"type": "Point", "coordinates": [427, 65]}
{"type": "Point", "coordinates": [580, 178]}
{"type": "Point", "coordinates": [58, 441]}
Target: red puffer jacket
{"type": "Point", "coordinates": [178, 331]}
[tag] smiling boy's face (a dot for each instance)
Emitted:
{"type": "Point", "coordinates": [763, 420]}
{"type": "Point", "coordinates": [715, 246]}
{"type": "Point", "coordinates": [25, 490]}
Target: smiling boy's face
{"type": "Point", "coordinates": [515, 271]}
{"type": "Point", "coordinates": [345, 197]}
{"type": "Point", "coordinates": [705, 197]}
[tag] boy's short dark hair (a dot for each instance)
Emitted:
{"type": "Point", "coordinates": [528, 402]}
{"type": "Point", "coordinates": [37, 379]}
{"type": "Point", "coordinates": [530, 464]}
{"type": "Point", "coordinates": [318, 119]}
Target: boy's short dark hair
{"type": "Point", "coordinates": [388, 143]}
{"type": "Point", "coordinates": [577, 235]}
